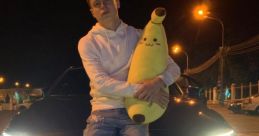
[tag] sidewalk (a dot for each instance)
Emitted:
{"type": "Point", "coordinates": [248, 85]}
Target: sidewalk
{"type": "Point", "coordinates": [5, 117]}
{"type": "Point", "coordinates": [244, 125]}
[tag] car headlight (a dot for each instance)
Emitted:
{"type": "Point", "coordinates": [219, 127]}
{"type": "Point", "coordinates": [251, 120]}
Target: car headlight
{"type": "Point", "coordinates": [14, 134]}
{"type": "Point", "coordinates": [177, 100]}
{"type": "Point", "coordinates": [223, 132]}
{"type": "Point", "coordinates": [191, 102]}
{"type": "Point", "coordinates": [5, 134]}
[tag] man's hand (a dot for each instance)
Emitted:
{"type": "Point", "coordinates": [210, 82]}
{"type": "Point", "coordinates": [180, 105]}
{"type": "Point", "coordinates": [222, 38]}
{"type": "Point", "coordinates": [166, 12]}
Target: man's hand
{"type": "Point", "coordinates": [162, 98]}
{"type": "Point", "coordinates": [149, 88]}
{"type": "Point", "coordinates": [151, 91]}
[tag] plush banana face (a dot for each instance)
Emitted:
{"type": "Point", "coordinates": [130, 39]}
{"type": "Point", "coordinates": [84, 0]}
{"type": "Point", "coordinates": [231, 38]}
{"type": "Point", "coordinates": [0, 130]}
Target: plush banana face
{"type": "Point", "coordinates": [150, 41]}
{"type": "Point", "coordinates": [152, 44]}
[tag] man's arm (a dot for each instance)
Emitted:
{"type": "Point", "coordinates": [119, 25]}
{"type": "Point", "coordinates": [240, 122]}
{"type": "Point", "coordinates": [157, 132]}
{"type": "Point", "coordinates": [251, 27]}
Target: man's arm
{"type": "Point", "coordinates": [171, 73]}
{"type": "Point", "coordinates": [100, 80]}
{"type": "Point", "coordinates": [152, 90]}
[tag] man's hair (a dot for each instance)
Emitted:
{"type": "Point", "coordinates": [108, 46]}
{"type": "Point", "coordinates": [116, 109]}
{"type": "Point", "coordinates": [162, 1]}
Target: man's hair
{"type": "Point", "coordinates": [88, 3]}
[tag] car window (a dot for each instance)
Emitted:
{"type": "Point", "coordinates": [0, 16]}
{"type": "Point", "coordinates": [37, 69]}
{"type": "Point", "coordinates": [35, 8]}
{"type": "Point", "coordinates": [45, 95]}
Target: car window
{"type": "Point", "coordinates": [193, 93]}
{"type": "Point", "coordinates": [190, 87]}
{"type": "Point", "coordinates": [175, 90]}
{"type": "Point", "coordinates": [74, 82]}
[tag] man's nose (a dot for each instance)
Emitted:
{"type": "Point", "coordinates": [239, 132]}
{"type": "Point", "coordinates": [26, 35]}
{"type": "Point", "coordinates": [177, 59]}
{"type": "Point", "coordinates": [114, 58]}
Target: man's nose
{"type": "Point", "coordinates": [103, 4]}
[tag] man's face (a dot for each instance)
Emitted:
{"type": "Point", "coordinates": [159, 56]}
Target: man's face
{"type": "Point", "coordinates": [104, 10]}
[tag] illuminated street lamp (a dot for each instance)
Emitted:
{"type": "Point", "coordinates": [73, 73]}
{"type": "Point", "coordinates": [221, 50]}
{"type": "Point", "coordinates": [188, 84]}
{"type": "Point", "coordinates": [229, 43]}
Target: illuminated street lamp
{"type": "Point", "coordinates": [176, 49]}
{"type": "Point", "coordinates": [27, 85]}
{"type": "Point", "coordinates": [2, 80]}
{"type": "Point", "coordinates": [201, 13]}
{"type": "Point", "coordinates": [17, 84]}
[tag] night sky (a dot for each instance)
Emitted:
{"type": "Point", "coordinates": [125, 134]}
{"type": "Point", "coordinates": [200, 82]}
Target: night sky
{"type": "Point", "coordinates": [38, 38]}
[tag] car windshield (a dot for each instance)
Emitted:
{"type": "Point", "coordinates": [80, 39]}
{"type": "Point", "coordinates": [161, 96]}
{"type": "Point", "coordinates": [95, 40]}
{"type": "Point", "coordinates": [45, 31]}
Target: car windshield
{"type": "Point", "coordinates": [190, 87]}
{"type": "Point", "coordinates": [73, 82]}
{"type": "Point", "coordinates": [175, 90]}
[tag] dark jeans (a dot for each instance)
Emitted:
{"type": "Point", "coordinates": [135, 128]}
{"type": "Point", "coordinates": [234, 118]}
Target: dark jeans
{"type": "Point", "coordinates": [113, 122]}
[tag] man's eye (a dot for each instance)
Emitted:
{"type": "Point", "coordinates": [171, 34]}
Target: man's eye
{"type": "Point", "coordinates": [97, 4]}
{"type": "Point", "coordinates": [108, 1]}
{"type": "Point", "coordinates": [145, 39]}
{"type": "Point", "coordinates": [154, 39]}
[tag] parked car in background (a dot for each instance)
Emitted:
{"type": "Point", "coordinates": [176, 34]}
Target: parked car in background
{"type": "Point", "coordinates": [32, 96]}
{"type": "Point", "coordinates": [253, 105]}
{"type": "Point", "coordinates": [248, 105]}
{"type": "Point", "coordinates": [65, 107]}
{"type": "Point", "coordinates": [18, 99]}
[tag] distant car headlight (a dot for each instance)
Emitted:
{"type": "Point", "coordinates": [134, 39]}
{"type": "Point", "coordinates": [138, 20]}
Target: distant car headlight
{"type": "Point", "coordinates": [177, 100]}
{"type": "Point", "coordinates": [191, 102]}
{"type": "Point", "coordinates": [223, 132]}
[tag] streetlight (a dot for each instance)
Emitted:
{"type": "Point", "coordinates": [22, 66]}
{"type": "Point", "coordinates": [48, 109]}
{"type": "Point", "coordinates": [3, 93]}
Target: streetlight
{"type": "Point", "coordinates": [201, 13]}
{"type": "Point", "coordinates": [2, 79]}
{"type": "Point", "coordinates": [27, 85]}
{"type": "Point", "coordinates": [17, 84]}
{"type": "Point", "coordinates": [176, 48]}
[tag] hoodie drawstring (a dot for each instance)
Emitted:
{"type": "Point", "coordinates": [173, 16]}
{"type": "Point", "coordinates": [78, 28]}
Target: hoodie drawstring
{"type": "Point", "coordinates": [108, 39]}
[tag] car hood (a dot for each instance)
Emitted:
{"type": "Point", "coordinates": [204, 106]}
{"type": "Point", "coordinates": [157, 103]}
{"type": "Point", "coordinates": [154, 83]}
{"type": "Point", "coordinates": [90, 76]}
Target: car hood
{"type": "Point", "coordinates": [189, 121]}
{"type": "Point", "coordinates": [53, 114]}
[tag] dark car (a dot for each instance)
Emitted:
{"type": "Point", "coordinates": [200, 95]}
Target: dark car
{"type": "Point", "coordinates": [235, 107]}
{"type": "Point", "coordinates": [65, 107]}
{"type": "Point", "coordinates": [187, 113]}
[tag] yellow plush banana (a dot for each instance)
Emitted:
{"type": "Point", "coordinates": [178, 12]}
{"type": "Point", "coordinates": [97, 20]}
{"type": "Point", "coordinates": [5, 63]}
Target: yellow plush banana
{"type": "Point", "coordinates": [149, 60]}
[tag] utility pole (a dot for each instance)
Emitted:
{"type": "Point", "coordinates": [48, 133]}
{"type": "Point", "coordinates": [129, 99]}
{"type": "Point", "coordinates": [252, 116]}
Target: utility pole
{"type": "Point", "coordinates": [221, 76]}
{"type": "Point", "coordinates": [201, 13]}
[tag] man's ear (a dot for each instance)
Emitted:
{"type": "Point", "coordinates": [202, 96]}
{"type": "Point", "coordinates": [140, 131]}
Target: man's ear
{"type": "Point", "coordinates": [91, 10]}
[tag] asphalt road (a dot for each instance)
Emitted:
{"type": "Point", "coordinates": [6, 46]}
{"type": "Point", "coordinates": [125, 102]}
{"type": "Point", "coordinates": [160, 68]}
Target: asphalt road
{"type": "Point", "coordinates": [244, 125]}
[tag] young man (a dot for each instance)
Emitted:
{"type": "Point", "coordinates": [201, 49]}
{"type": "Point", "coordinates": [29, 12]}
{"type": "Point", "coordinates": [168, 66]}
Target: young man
{"type": "Point", "coordinates": [105, 52]}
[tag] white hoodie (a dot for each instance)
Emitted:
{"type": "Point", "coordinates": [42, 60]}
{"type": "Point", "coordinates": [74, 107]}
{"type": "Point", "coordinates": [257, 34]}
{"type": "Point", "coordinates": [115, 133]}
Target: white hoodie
{"type": "Point", "coordinates": [106, 56]}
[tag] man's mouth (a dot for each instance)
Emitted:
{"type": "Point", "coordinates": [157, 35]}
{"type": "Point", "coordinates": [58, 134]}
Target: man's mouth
{"type": "Point", "coordinates": [104, 13]}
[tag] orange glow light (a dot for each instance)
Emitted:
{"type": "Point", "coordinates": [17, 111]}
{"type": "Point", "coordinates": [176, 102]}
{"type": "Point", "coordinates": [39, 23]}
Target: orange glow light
{"type": "Point", "coordinates": [176, 48]}
{"type": "Point", "coordinates": [191, 102]}
{"type": "Point", "coordinates": [177, 100]}
{"type": "Point", "coordinates": [200, 12]}
{"type": "Point", "coordinates": [1, 79]}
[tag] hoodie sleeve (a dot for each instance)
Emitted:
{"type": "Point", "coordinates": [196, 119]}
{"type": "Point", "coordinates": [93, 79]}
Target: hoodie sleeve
{"type": "Point", "coordinates": [172, 72]}
{"type": "Point", "coordinates": [100, 80]}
